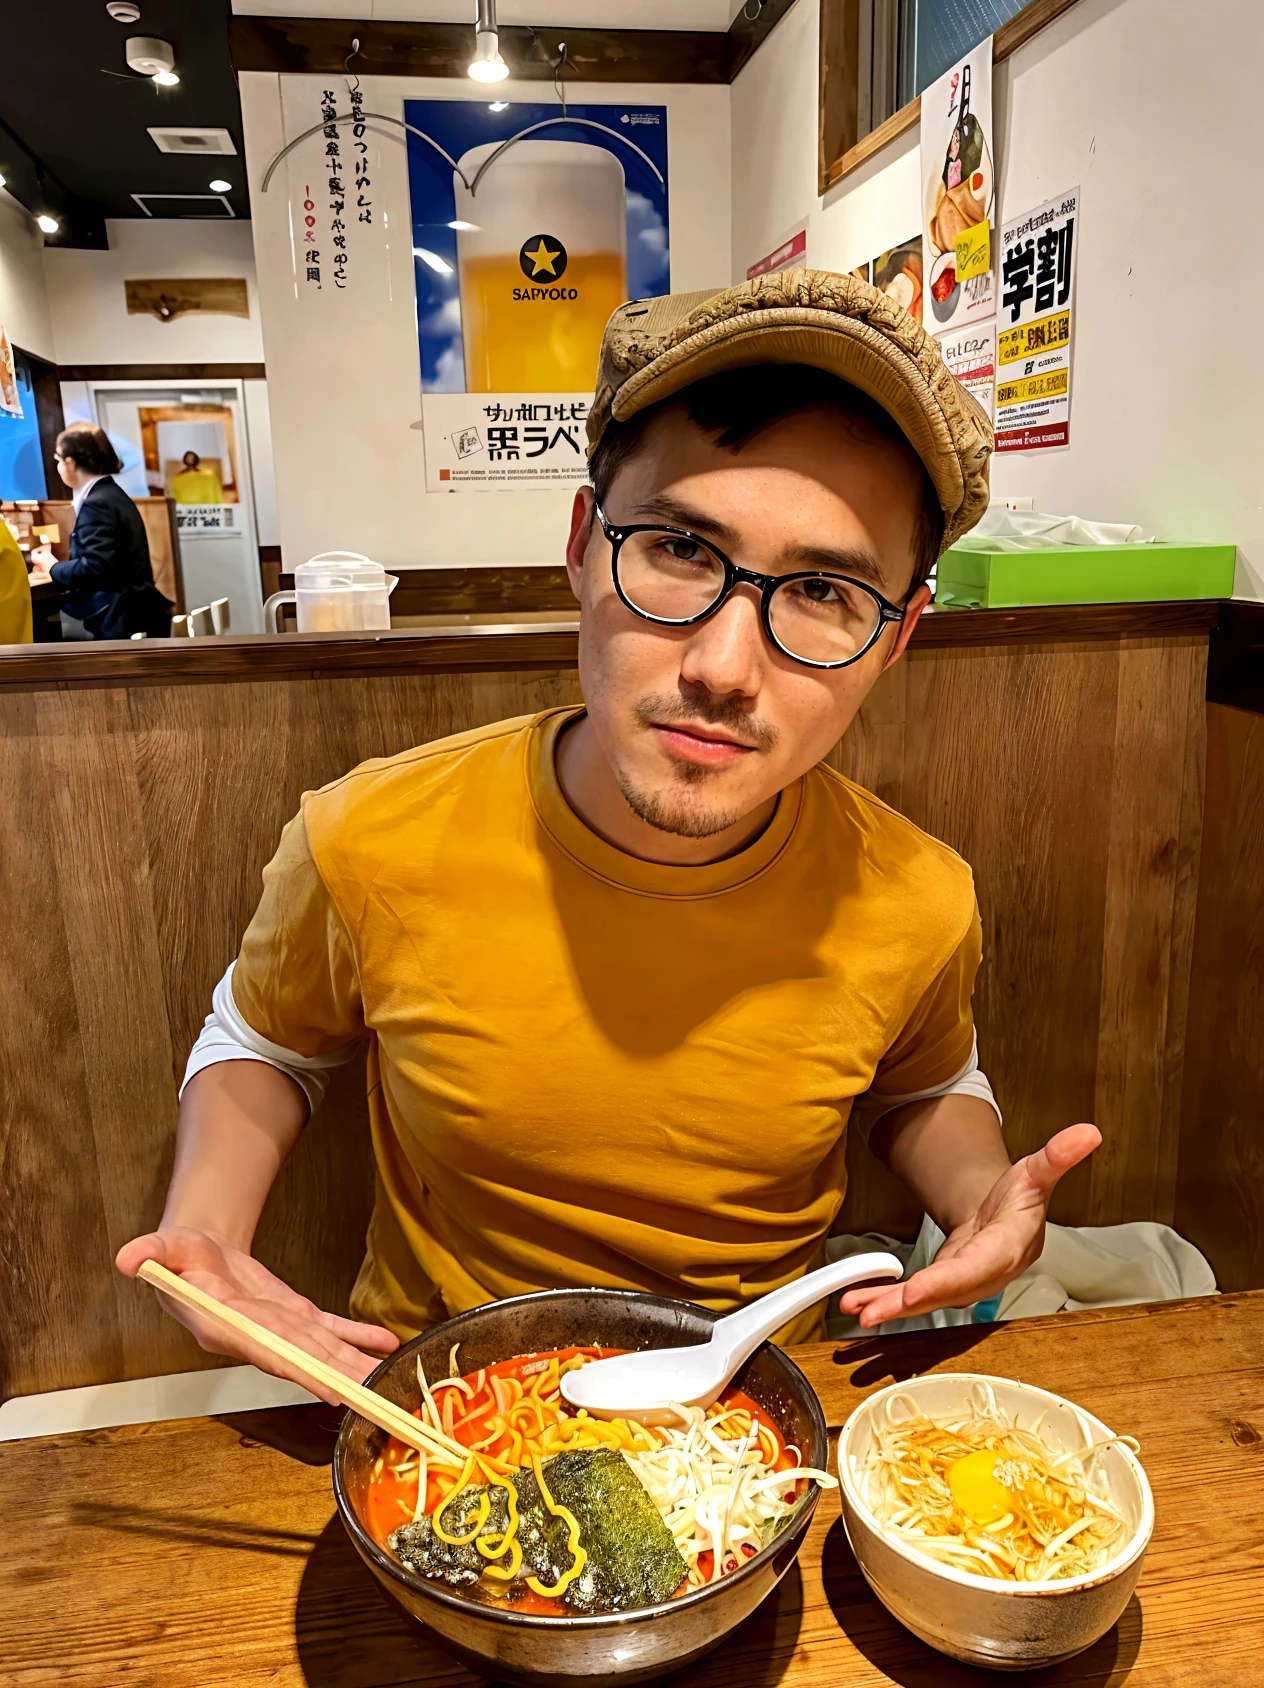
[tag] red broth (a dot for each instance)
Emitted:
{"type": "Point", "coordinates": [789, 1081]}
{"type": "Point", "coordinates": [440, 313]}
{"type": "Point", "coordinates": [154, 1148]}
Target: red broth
{"type": "Point", "coordinates": [392, 1499]}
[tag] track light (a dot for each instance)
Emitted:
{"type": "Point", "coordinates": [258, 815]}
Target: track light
{"type": "Point", "coordinates": [487, 64]}
{"type": "Point", "coordinates": [50, 225]}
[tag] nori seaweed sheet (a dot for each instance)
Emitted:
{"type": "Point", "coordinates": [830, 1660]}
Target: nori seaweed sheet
{"type": "Point", "coordinates": [632, 1559]}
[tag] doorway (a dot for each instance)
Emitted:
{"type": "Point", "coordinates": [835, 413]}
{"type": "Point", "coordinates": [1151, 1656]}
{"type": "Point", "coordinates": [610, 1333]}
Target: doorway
{"type": "Point", "coordinates": [191, 445]}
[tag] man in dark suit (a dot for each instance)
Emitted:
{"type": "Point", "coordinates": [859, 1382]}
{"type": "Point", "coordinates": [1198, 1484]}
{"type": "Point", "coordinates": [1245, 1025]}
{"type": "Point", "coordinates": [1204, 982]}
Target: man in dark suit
{"type": "Point", "coordinates": [108, 580]}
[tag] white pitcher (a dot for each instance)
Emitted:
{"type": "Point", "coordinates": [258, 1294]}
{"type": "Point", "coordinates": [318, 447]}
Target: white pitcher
{"type": "Point", "coordinates": [336, 592]}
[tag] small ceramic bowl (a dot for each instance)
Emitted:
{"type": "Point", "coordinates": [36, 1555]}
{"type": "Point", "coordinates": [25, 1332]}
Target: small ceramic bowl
{"type": "Point", "coordinates": [1003, 1626]}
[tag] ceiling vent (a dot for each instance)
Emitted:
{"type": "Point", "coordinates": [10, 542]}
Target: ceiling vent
{"type": "Point", "coordinates": [205, 143]}
{"type": "Point", "coordinates": [213, 205]}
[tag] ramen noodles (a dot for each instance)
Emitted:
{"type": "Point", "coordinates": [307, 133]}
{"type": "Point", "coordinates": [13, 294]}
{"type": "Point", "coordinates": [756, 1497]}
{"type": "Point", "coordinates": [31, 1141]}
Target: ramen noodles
{"type": "Point", "coordinates": [526, 1502]}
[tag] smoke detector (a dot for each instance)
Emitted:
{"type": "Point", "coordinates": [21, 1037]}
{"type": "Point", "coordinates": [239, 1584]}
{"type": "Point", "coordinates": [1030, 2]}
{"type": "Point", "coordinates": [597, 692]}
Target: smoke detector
{"type": "Point", "coordinates": [124, 11]}
{"type": "Point", "coordinates": [148, 56]}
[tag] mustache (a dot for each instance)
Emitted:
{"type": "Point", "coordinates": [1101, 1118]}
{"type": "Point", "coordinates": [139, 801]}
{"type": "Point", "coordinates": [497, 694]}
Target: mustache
{"type": "Point", "coordinates": [676, 709]}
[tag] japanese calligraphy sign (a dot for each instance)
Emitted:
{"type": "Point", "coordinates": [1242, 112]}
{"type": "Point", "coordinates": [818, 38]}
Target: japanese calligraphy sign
{"type": "Point", "coordinates": [958, 193]}
{"type": "Point", "coordinates": [1035, 326]}
{"type": "Point", "coordinates": [529, 228]}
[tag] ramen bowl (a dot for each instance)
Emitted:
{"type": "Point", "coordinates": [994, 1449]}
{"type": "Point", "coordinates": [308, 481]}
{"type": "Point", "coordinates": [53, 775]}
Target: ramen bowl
{"type": "Point", "coordinates": [574, 1652]}
{"type": "Point", "coordinates": [999, 1625]}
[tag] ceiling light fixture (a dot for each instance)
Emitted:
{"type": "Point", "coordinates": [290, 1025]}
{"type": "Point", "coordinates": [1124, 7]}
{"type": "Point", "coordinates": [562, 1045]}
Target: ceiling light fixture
{"type": "Point", "coordinates": [487, 64]}
{"type": "Point", "coordinates": [499, 105]}
{"type": "Point", "coordinates": [149, 56]}
{"type": "Point", "coordinates": [50, 225]}
{"type": "Point", "coordinates": [1, 181]}
{"type": "Point", "coordinates": [219, 185]}
{"type": "Point", "coordinates": [123, 11]}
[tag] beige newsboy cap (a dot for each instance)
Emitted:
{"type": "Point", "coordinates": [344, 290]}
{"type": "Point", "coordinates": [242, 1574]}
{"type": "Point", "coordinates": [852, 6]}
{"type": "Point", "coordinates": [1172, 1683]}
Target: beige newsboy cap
{"type": "Point", "coordinates": [653, 348]}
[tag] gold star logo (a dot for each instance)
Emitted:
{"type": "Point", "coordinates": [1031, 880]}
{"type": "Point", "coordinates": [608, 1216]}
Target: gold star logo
{"type": "Point", "coordinates": [543, 260]}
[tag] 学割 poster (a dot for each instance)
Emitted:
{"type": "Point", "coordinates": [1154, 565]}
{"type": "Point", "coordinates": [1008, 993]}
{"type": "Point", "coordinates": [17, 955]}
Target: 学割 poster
{"type": "Point", "coordinates": [528, 228]}
{"type": "Point", "coordinates": [1035, 329]}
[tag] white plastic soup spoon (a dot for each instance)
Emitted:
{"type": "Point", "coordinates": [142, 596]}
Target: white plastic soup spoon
{"type": "Point", "coordinates": [650, 1386]}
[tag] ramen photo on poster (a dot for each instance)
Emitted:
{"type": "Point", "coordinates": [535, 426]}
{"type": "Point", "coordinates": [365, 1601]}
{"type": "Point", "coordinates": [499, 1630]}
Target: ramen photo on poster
{"type": "Point", "coordinates": [958, 193]}
{"type": "Point", "coordinates": [529, 227]}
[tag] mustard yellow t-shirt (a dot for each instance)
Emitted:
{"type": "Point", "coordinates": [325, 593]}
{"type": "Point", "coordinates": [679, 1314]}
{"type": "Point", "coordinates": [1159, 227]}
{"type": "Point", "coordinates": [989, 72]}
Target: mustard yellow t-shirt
{"type": "Point", "coordinates": [585, 1068]}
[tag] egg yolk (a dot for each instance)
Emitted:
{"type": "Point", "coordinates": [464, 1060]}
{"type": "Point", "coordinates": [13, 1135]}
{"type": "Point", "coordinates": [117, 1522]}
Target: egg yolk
{"type": "Point", "coordinates": [975, 1487]}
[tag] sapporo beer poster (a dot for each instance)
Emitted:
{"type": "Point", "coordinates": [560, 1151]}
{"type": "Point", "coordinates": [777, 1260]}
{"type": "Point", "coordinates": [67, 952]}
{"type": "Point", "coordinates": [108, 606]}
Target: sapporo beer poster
{"type": "Point", "coordinates": [528, 228]}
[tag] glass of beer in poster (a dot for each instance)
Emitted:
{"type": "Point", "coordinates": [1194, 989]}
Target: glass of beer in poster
{"type": "Point", "coordinates": [542, 264]}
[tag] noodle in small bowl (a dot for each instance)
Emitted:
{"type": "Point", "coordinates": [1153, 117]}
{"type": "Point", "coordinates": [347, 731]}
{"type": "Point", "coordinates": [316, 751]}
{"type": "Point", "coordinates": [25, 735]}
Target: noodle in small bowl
{"type": "Point", "coordinates": [1001, 1524]}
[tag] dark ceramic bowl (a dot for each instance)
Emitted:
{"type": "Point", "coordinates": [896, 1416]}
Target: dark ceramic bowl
{"type": "Point", "coordinates": [576, 1652]}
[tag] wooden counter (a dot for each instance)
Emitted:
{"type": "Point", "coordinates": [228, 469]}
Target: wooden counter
{"type": "Point", "coordinates": [145, 786]}
{"type": "Point", "coordinates": [207, 1553]}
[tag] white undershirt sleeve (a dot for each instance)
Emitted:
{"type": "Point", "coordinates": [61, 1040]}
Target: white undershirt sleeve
{"type": "Point", "coordinates": [225, 1036]}
{"type": "Point", "coordinates": [970, 1081]}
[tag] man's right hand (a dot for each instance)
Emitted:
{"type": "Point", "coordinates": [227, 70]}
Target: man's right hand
{"type": "Point", "coordinates": [239, 1281]}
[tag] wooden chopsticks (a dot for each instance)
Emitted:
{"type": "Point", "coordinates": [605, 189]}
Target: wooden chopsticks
{"type": "Point", "coordinates": [367, 1402]}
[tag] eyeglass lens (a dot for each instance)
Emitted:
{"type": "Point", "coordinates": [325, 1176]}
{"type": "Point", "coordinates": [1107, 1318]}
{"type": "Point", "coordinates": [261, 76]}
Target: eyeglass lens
{"type": "Point", "coordinates": [671, 577]}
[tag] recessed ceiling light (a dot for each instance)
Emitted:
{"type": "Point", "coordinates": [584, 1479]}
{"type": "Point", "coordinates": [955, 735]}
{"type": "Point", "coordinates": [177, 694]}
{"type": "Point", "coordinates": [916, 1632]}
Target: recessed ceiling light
{"type": "Point", "coordinates": [499, 105]}
{"type": "Point", "coordinates": [50, 225]}
{"type": "Point", "coordinates": [166, 79]}
{"type": "Point", "coordinates": [219, 185]}
{"type": "Point", "coordinates": [458, 224]}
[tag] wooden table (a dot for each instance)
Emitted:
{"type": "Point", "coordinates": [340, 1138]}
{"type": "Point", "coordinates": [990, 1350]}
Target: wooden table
{"type": "Point", "coordinates": [206, 1553]}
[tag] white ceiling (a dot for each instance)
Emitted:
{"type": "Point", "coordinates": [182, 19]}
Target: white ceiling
{"type": "Point", "coordinates": [573, 14]}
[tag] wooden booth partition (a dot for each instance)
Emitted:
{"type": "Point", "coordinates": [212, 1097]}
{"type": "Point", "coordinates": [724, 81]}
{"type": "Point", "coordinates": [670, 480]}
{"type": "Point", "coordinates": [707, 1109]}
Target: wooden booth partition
{"type": "Point", "coordinates": [144, 788]}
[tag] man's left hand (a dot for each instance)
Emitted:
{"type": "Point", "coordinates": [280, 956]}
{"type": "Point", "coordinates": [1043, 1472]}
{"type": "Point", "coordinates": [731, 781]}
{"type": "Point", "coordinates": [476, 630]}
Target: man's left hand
{"type": "Point", "coordinates": [990, 1249]}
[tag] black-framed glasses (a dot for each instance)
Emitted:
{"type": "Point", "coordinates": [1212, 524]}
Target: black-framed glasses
{"type": "Point", "coordinates": [671, 576]}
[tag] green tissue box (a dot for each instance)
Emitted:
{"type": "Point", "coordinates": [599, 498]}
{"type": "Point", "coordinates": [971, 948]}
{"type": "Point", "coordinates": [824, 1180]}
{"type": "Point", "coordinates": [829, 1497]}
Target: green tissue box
{"type": "Point", "coordinates": [973, 577]}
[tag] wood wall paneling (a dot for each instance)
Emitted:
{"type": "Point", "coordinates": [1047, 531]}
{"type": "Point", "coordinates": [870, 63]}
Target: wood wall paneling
{"type": "Point", "coordinates": [137, 820]}
{"type": "Point", "coordinates": [1220, 1184]}
{"type": "Point", "coordinates": [251, 657]}
{"type": "Point", "coordinates": [1034, 762]}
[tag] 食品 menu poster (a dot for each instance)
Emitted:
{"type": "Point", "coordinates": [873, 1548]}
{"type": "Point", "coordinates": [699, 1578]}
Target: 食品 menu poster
{"type": "Point", "coordinates": [528, 228]}
{"type": "Point", "coordinates": [1034, 326]}
{"type": "Point", "coordinates": [958, 193]}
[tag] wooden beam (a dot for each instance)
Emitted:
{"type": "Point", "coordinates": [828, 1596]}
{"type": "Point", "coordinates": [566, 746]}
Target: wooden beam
{"type": "Point", "coordinates": [161, 372]}
{"type": "Point", "coordinates": [321, 45]}
{"type": "Point", "coordinates": [747, 35]}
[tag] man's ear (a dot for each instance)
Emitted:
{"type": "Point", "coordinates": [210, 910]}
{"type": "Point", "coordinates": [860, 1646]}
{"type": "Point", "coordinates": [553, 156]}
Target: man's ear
{"type": "Point", "coordinates": [912, 615]}
{"type": "Point", "coordinates": [580, 534]}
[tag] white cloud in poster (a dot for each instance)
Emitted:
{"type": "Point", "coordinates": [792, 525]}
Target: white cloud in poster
{"type": "Point", "coordinates": [647, 245]}
{"type": "Point", "coordinates": [449, 375]}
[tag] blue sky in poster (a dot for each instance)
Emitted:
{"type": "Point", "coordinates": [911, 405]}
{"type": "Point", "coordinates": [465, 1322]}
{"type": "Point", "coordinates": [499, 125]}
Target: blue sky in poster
{"type": "Point", "coordinates": [459, 125]}
{"type": "Point", "coordinates": [21, 460]}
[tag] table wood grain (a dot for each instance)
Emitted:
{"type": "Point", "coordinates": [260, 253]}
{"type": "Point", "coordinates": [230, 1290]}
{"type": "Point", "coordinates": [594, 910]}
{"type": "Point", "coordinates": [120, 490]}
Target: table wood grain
{"type": "Point", "coordinates": [206, 1553]}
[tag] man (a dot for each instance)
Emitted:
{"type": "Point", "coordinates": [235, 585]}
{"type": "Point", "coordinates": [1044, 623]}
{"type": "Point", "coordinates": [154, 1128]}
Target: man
{"type": "Point", "coordinates": [622, 972]}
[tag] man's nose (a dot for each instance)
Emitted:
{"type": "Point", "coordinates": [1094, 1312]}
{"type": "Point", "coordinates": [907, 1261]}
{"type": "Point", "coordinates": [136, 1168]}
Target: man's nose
{"type": "Point", "coordinates": [726, 653]}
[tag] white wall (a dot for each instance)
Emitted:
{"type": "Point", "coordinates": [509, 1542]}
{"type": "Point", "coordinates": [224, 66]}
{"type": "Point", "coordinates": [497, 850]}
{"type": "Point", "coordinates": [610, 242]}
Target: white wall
{"type": "Point", "coordinates": [1159, 120]}
{"type": "Point", "coordinates": [344, 379]}
{"type": "Point", "coordinates": [89, 307]}
{"type": "Point", "coordinates": [23, 302]}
